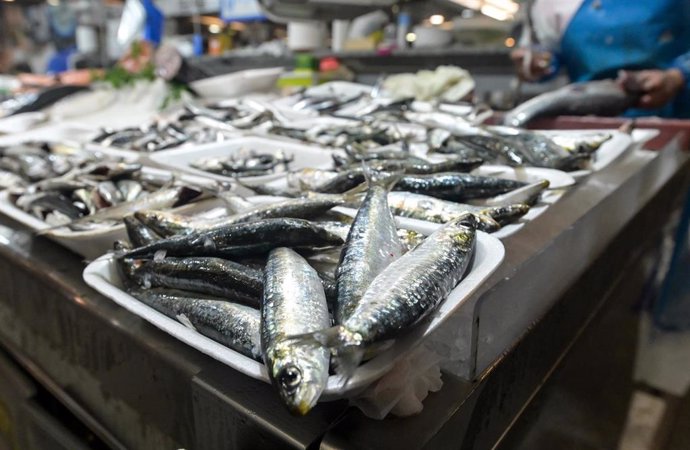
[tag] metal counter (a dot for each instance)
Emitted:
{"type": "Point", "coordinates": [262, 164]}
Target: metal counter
{"type": "Point", "coordinates": [136, 387]}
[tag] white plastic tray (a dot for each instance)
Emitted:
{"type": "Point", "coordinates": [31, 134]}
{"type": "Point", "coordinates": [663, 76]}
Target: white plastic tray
{"type": "Point", "coordinates": [238, 83]}
{"type": "Point", "coordinates": [92, 243]}
{"type": "Point", "coordinates": [102, 276]}
{"type": "Point", "coordinates": [304, 156]}
{"type": "Point", "coordinates": [66, 133]}
{"type": "Point", "coordinates": [619, 144]}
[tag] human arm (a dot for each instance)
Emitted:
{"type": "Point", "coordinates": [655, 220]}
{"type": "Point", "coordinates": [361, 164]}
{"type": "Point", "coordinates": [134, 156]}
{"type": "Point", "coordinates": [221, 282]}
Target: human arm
{"type": "Point", "coordinates": [657, 87]}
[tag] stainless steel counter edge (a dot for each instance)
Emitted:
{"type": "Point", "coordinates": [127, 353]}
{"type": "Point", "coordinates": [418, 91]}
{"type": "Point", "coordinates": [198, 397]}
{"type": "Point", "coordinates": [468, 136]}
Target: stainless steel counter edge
{"type": "Point", "coordinates": [558, 247]}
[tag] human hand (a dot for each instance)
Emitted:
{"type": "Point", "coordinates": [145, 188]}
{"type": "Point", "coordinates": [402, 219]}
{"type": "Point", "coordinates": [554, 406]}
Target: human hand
{"type": "Point", "coordinates": [657, 87]}
{"type": "Point", "coordinates": [531, 65]}
{"type": "Point", "coordinates": [137, 57]}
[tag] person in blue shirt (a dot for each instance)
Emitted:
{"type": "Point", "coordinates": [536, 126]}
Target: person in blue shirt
{"type": "Point", "coordinates": [648, 40]}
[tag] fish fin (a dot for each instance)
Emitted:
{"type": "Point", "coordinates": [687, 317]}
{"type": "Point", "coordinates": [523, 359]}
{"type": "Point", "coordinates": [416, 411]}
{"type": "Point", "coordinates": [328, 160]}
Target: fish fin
{"type": "Point", "coordinates": [187, 194]}
{"type": "Point", "coordinates": [386, 179]}
{"type": "Point", "coordinates": [331, 337]}
{"type": "Point", "coordinates": [345, 345]}
{"type": "Point", "coordinates": [628, 126]}
{"type": "Point", "coordinates": [346, 362]}
{"type": "Point", "coordinates": [484, 222]}
{"type": "Point", "coordinates": [355, 193]}
{"type": "Point", "coordinates": [245, 186]}
{"type": "Point", "coordinates": [340, 160]}
{"type": "Point", "coordinates": [184, 320]}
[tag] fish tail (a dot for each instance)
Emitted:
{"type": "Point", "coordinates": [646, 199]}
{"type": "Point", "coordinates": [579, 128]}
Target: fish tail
{"type": "Point", "coordinates": [346, 362]}
{"type": "Point", "coordinates": [483, 222]}
{"type": "Point", "coordinates": [385, 179]}
{"type": "Point", "coordinates": [354, 195]}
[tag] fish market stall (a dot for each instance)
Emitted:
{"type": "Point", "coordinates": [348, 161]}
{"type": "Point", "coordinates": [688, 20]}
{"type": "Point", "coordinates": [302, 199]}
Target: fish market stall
{"type": "Point", "coordinates": [347, 253]}
{"type": "Point", "coordinates": [135, 386]}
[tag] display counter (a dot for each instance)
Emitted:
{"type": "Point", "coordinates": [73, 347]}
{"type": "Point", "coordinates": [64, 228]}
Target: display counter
{"type": "Point", "coordinates": [133, 386]}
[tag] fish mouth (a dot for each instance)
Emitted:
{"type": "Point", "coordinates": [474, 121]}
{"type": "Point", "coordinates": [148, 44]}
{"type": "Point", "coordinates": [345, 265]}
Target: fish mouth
{"type": "Point", "coordinates": [301, 409]}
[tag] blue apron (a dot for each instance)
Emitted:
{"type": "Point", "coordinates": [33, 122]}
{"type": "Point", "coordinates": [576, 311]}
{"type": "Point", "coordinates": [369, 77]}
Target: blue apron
{"type": "Point", "coordinates": [605, 36]}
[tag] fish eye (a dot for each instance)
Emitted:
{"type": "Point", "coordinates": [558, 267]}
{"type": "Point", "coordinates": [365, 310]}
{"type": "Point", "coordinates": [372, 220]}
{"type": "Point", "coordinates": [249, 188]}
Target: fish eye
{"type": "Point", "coordinates": [290, 378]}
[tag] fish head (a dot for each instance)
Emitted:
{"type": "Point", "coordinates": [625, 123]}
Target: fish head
{"type": "Point", "coordinates": [300, 376]}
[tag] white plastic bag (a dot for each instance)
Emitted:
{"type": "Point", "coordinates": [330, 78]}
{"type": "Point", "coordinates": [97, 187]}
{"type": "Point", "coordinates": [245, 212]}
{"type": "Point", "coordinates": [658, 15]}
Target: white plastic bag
{"type": "Point", "coordinates": [403, 389]}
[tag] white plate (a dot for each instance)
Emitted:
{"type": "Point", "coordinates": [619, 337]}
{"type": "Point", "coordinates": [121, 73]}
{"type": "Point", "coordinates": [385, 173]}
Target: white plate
{"type": "Point", "coordinates": [102, 276]}
{"type": "Point", "coordinates": [619, 144]}
{"type": "Point", "coordinates": [65, 133]}
{"type": "Point", "coordinates": [238, 83]}
{"type": "Point", "coordinates": [304, 156]}
{"type": "Point", "coordinates": [92, 243]}
{"type": "Point", "coordinates": [22, 122]}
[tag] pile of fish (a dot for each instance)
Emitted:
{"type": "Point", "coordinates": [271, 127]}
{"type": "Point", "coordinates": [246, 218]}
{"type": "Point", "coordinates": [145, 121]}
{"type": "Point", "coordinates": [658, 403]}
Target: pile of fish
{"type": "Point", "coordinates": [357, 133]}
{"type": "Point", "coordinates": [522, 148]}
{"type": "Point", "coordinates": [191, 124]}
{"type": "Point", "coordinates": [305, 288]}
{"type": "Point", "coordinates": [99, 194]}
{"type": "Point", "coordinates": [245, 163]}
{"type": "Point", "coordinates": [29, 162]}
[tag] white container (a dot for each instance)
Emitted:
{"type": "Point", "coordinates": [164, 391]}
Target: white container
{"type": "Point", "coordinates": [431, 37]}
{"type": "Point", "coordinates": [102, 275]}
{"type": "Point", "coordinates": [238, 83]}
{"type": "Point", "coordinates": [305, 36]}
{"type": "Point", "coordinates": [92, 243]}
{"type": "Point", "coordinates": [619, 145]}
{"type": "Point", "coordinates": [304, 156]}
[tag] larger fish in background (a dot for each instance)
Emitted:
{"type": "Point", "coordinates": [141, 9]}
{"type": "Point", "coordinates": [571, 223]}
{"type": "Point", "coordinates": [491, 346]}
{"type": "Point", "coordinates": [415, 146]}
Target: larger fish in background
{"type": "Point", "coordinates": [600, 98]}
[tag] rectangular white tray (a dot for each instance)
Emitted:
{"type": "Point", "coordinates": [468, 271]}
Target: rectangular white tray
{"type": "Point", "coordinates": [102, 275]}
{"type": "Point", "coordinates": [304, 156]}
{"type": "Point", "coordinates": [89, 244]}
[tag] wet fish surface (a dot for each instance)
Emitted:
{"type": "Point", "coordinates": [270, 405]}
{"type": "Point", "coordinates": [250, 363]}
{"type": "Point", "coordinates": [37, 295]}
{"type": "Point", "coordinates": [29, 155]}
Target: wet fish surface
{"type": "Point", "coordinates": [456, 186]}
{"type": "Point", "coordinates": [293, 303]}
{"type": "Point", "coordinates": [235, 326]}
{"type": "Point", "coordinates": [372, 244]}
{"type": "Point", "coordinates": [243, 239]}
{"type": "Point", "coordinates": [600, 98]}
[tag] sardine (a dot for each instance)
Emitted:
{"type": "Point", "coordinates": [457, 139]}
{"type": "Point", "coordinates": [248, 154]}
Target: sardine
{"type": "Point", "coordinates": [401, 296]}
{"type": "Point", "coordinates": [341, 182]}
{"type": "Point", "coordinates": [129, 189]}
{"type": "Point", "coordinates": [243, 239]}
{"type": "Point", "coordinates": [456, 186]}
{"type": "Point", "coordinates": [372, 244]}
{"type": "Point", "coordinates": [235, 326]}
{"type": "Point", "coordinates": [293, 303]}
{"type": "Point", "coordinates": [431, 209]}
{"type": "Point", "coordinates": [212, 276]}
{"type": "Point", "coordinates": [582, 143]}
{"type": "Point", "coordinates": [109, 193]}
{"type": "Point", "coordinates": [494, 148]}
{"type": "Point", "coordinates": [298, 208]}
{"type": "Point", "coordinates": [528, 195]}
{"type": "Point", "coordinates": [163, 198]}
{"type": "Point", "coordinates": [138, 233]}
{"type": "Point", "coordinates": [539, 150]}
